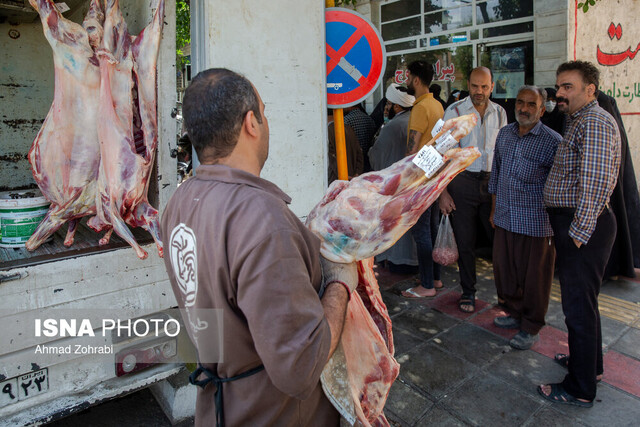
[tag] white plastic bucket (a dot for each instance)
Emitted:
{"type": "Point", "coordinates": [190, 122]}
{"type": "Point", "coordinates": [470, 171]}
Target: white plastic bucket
{"type": "Point", "coordinates": [20, 213]}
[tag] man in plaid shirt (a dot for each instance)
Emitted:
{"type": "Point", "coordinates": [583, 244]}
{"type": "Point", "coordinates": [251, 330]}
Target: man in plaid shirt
{"type": "Point", "coordinates": [577, 194]}
{"type": "Point", "coordinates": [523, 251]}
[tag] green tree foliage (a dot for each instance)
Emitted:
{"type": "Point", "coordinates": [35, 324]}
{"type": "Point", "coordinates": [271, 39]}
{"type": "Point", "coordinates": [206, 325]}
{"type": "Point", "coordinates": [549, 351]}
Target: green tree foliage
{"type": "Point", "coordinates": [463, 60]}
{"type": "Point", "coordinates": [183, 31]}
{"type": "Point", "coordinates": [585, 6]}
{"type": "Point", "coordinates": [510, 9]}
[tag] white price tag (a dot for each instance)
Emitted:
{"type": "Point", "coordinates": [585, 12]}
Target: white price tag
{"type": "Point", "coordinates": [429, 160]}
{"type": "Point", "coordinates": [437, 127]}
{"type": "Point", "coordinates": [62, 7]}
{"type": "Point", "coordinates": [446, 142]}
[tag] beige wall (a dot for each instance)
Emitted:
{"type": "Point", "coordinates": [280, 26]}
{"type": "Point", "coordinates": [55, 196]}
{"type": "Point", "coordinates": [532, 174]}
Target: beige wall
{"type": "Point", "coordinates": [590, 30]}
{"type": "Point", "coordinates": [550, 39]}
{"type": "Point", "coordinates": [280, 48]}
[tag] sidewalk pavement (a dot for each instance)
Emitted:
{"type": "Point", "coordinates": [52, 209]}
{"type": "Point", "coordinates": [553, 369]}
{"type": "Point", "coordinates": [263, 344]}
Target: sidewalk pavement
{"type": "Point", "coordinates": [458, 369]}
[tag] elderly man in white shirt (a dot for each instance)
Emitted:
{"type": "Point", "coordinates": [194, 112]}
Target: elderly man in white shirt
{"type": "Point", "coordinates": [467, 196]}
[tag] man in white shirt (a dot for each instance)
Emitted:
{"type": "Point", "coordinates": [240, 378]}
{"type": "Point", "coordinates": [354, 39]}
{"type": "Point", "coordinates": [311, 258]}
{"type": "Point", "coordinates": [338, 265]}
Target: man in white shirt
{"type": "Point", "coordinates": [467, 195]}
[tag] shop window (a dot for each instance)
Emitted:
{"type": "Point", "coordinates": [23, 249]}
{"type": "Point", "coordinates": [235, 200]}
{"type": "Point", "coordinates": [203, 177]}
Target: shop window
{"type": "Point", "coordinates": [431, 5]}
{"type": "Point", "coordinates": [512, 66]}
{"type": "Point", "coordinates": [399, 10]}
{"type": "Point", "coordinates": [455, 36]}
{"type": "Point", "coordinates": [448, 38]}
{"type": "Point", "coordinates": [501, 10]}
{"type": "Point", "coordinates": [451, 67]}
{"type": "Point", "coordinates": [400, 46]}
{"type": "Point", "coordinates": [400, 29]}
{"type": "Point", "coordinates": [450, 19]}
{"type": "Point", "coordinates": [506, 30]}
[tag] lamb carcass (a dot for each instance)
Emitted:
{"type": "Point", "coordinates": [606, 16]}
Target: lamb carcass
{"type": "Point", "coordinates": [356, 220]}
{"type": "Point", "coordinates": [127, 110]}
{"type": "Point", "coordinates": [363, 217]}
{"type": "Point", "coordinates": [65, 154]}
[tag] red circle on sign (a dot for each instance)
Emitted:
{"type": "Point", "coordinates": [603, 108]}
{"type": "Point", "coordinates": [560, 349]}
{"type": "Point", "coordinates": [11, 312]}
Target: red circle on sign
{"type": "Point", "coordinates": [368, 83]}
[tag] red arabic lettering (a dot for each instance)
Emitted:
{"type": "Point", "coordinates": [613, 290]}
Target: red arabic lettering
{"type": "Point", "coordinates": [615, 30]}
{"type": "Point", "coordinates": [401, 76]}
{"type": "Point", "coordinates": [444, 74]}
{"type": "Point", "coordinates": [612, 59]}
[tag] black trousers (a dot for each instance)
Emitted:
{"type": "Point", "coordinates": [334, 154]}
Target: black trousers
{"type": "Point", "coordinates": [470, 194]}
{"type": "Point", "coordinates": [580, 272]}
{"type": "Point", "coordinates": [523, 271]}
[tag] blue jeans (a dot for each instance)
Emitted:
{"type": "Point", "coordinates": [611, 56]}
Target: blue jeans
{"type": "Point", "coordinates": [422, 235]}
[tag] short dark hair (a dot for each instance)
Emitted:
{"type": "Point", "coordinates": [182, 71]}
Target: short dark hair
{"type": "Point", "coordinates": [423, 70]}
{"type": "Point", "coordinates": [589, 72]}
{"type": "Point", "coordinates": [435, 89]}
{"type": "Point", "coordinates": [537, 90]}
{"type": "Point", "coordinates": [213, 108]}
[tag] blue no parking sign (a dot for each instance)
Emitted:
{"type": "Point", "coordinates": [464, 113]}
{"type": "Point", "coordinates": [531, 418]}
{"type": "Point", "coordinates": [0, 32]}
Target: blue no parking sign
{"type": "Point", "coordinates": [355, 57]}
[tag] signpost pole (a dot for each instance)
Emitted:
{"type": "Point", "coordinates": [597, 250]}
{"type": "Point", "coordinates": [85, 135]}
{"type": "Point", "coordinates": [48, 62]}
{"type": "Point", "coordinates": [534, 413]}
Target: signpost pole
{"type": "Point", "coordinates": [341, 146]}
{"type": "Point", "coordinates": [355, 66]}
{"type": "Point", "coordinates": [338, 123]}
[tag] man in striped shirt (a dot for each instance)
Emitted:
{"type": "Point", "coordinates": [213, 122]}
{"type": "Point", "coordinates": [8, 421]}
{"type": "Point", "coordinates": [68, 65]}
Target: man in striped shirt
{"type": "Point", "coordinates": [523, 251]}
{"type": "Point", "coordinates": [577, 198]}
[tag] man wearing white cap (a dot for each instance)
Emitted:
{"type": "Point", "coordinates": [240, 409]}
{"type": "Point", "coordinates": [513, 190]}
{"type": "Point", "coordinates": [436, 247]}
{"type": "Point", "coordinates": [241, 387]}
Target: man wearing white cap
{"type": "Point", "coordinates": [389, 147]}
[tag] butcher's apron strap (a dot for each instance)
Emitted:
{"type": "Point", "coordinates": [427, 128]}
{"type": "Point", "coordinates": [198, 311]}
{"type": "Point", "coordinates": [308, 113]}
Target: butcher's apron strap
{"type": "Point", "coordinates": [217, 381]}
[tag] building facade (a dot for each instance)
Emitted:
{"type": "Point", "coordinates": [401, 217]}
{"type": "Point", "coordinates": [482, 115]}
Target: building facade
{"type": "Point", "coordinates": [522, 41]}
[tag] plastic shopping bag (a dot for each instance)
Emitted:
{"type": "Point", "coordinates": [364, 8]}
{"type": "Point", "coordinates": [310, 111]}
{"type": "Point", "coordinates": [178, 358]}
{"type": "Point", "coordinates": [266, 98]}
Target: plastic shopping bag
{"type": "Point", "coordinates": [445, 250]}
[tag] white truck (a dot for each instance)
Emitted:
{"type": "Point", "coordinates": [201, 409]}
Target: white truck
{"type": "Point", "coordinates": [286, 62]}
{"type": "Point", "coordinates": [41, 290]}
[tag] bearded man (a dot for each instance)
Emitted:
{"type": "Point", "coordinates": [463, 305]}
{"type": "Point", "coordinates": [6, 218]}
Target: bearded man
{"type": "Point", "coordinates": [467, 196]}
{"type": "Point", "coordinates": [523, 251]}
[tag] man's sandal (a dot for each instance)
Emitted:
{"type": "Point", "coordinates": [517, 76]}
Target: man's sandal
{"type": "Point", "coordinates": [559, 395]}
{"type": "Point", "coordinates": [563, 360]}
{"type": "Point", "coordinates": [466, 301]}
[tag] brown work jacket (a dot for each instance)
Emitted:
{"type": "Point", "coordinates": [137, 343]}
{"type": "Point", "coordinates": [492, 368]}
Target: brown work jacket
{"type": "Point", "coordinates": [232, 244]}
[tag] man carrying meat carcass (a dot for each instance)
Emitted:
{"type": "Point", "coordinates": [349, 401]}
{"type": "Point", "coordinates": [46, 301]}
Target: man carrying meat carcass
{"type": "Point", "coordinates": [467, 195]}
{"type": "Point", "coordinates": [523, 251]}
{"type": "Point", "coordinates": [236, 249]}
{"type": "Point", "coordinates": [577, 195]}
{"type": "Point", "coordinates": [425, 114]}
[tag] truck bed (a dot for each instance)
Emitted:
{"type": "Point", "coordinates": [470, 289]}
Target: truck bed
{"type": "Point", "coordinates": [86, 242]}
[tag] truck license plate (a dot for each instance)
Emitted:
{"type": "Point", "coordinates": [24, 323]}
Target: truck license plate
{"type": "Point", "coordinates": [24, 386]}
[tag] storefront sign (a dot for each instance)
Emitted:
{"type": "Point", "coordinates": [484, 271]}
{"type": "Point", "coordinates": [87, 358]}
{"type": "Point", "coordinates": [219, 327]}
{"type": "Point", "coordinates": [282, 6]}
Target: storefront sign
{"type": "Point", "coordinates": [400, 77]}
{"type": "Point", "coordinates": [444, 74]}
{"type": "Point", "coordinates": [440, 74]}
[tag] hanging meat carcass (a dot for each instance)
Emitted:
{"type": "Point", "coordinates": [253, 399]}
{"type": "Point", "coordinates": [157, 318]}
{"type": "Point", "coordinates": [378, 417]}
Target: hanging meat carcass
{"type": "Point", "coordinates": [356, 220]}
{"type": "Point", "coordinates": [363, 217]}
{"type": "Point", "coordinates": [127, 129]}
{"type": "Point", "coordinates": [85, 166]}
{"type": "Point", "coordinates": [65, 155]}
